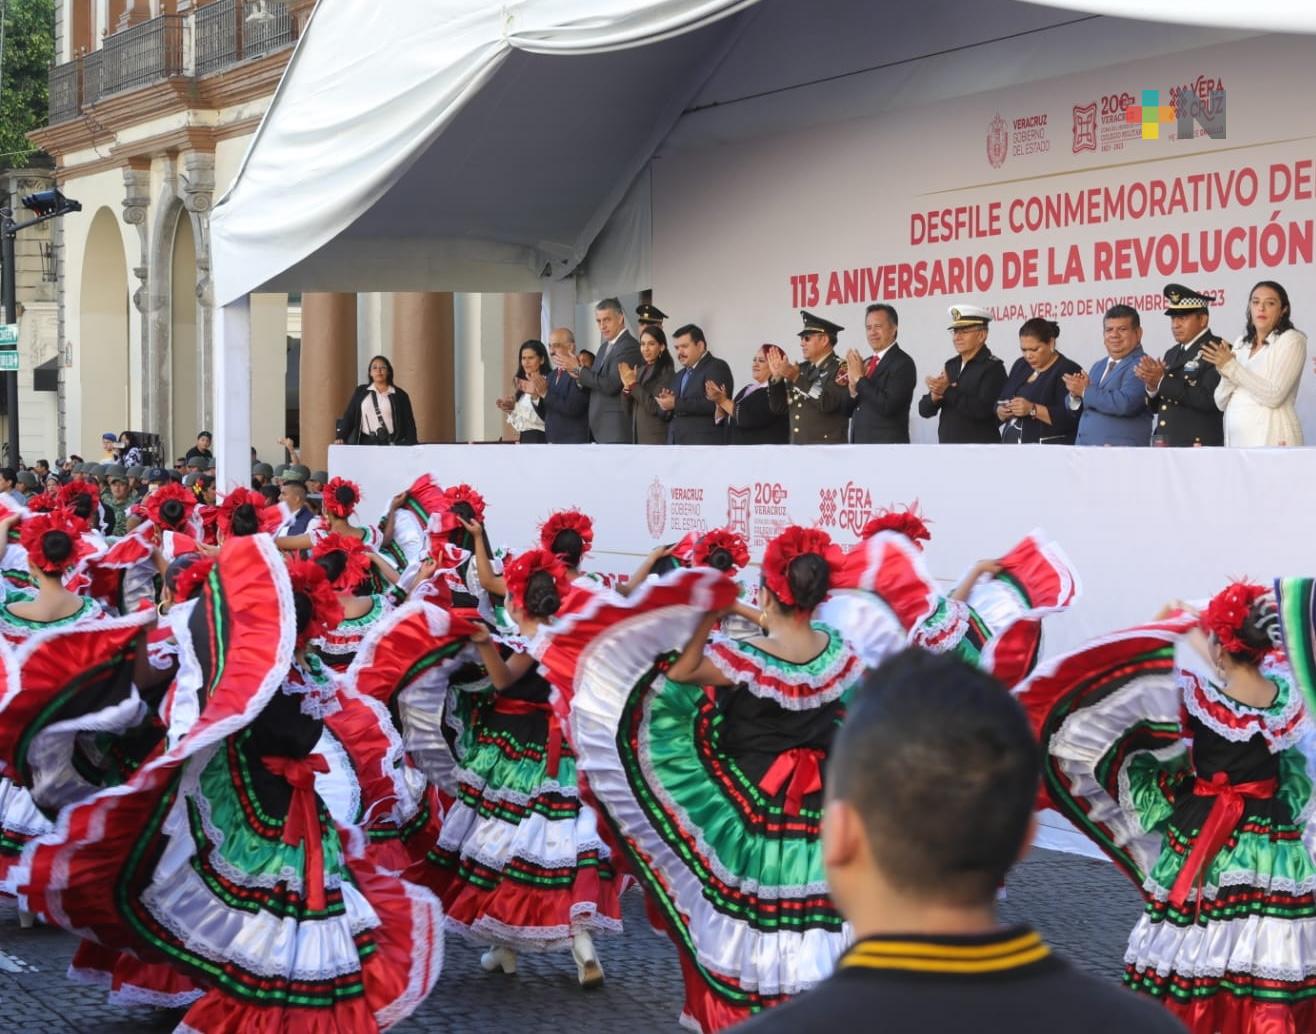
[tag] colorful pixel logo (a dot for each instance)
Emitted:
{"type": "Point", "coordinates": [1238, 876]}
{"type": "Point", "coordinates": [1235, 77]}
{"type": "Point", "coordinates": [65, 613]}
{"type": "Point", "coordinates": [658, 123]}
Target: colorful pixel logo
{"type": "Point", "coordinates": [1151, 113]}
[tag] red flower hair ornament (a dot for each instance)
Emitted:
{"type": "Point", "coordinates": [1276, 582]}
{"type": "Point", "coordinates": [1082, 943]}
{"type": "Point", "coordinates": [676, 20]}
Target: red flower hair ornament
{"type": "Point", "coordinates": [43, 502]}
{"type": "Point", "coordinates": [157, 499]}
{"type": "Point", "coordinates": [192, 578]}
{"type": "Point", "coordinates": [267, 517]}
{"type": "Point", "coordinates": [567, 520]}
{"type": "Point", "coordinates": [331, 504]}
{"type": "Point", "coordinates": [33, 538]}
{"type": "Point", "coordinates": [721, 538]}
{"type": "Point", "coordinates": [791, 543]}
{"type": "Point", "coordinates": [909, 523]}
{"type": "Point", "coordinates": [357, 568]}
{"type": "Point", "coordinates": [518, 571]}
{"type": "Point", "coordinates": [309, 580]}
{"type": "Point", "coordinates": [1226, 614]}
{"type": "Point", "coordinates": [465, 494]}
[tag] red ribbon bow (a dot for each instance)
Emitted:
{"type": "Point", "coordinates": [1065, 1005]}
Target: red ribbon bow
{"type": "Point", "coordinates": [513, 706]}
{"type": "Point", "coordinates": [1220, 823]}
{"type": "Point", "coordinates": [803, 767]}
{"type": "Point", "coordinates": [302, 823]}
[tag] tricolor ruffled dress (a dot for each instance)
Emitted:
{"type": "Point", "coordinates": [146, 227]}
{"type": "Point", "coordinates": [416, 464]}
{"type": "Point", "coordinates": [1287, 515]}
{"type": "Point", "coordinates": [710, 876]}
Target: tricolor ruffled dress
{"type": "Point", "coordinates": [1207, 804]}
{"type": "Point", "coordinates": [715, 795]}
{"type": "Point", "coordinates": [521, 860]}
{"type": "Point", "coordinates": [20, 818]}
{"type": "Point", "coordinates": [338, 646]}
{"type": "Point", "coordinates": [886, 600]}
{"type": "Point", "coordinates": [220, 858]}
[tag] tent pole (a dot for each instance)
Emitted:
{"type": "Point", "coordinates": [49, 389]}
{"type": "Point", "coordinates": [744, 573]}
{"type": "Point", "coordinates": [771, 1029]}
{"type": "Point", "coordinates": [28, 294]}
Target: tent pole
{"type": "Point", "coordinates": [232, 403]}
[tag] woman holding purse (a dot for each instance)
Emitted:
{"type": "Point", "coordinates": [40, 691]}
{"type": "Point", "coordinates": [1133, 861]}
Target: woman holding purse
{"type": "Point", "coordinates": [379, 412]}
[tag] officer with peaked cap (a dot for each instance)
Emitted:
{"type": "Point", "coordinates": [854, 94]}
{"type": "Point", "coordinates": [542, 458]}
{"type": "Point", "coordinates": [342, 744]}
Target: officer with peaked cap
{"type": "Point", "coordinates": [964, 394]}
{"type": "Point", "coordinates": [816, 393]}
{"type": "Point", "coordinates": [649, 315]}
{"type": "Point", "coordinates": [1181, 387]}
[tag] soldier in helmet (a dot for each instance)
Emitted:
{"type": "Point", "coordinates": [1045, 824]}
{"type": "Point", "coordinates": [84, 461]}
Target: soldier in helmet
{"type": "Point", "coordinates": [815, 394]}
{"type": "Point", "coordinates": [1181, 387]}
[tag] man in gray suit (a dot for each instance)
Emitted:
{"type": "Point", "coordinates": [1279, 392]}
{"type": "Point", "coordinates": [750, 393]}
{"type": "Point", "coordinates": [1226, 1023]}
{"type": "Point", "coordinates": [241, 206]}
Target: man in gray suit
{"type": "Point", "coordinates": [609, 420]}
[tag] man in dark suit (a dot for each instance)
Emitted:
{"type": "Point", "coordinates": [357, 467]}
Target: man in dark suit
{"type": "Point", "coordinates": [692, 413]}
{"type": "Point", "coordinates": [965, 393]}
{"type": "Point", "coordinates": [609, 419]}
{"type": "Point", "coordinates": [881, 389]}
{"type": "Point", "coordinates": [1181, 388]}
{"type": "Point", "coordinates": [566, 403]}
{"type": "Point", "coordinates": [816, 393]}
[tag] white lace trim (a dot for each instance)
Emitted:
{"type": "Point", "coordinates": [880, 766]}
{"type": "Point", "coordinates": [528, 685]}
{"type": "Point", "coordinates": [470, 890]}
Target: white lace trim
{"type": "Point", "coordinates": [1162, 754]}
{"type": "Point", "coordinates": [827, 683]}
{"type": "Point", "coordinates": [318, 690]}
{"type": "Point", "coordinates": [426, 965]}
{"type": "Point", "coordinates": [501, 795]}
{"type": "Point", "coordinates": [287, 875]}
{"type": "Point", "coordinates": [1225, 946]}
{"type": "Point", "coordinates": [130, 995]}
{"type": "Point", "coordinates": [1271, 725]}
{"type": "Point", "coordinates": [585, 918]}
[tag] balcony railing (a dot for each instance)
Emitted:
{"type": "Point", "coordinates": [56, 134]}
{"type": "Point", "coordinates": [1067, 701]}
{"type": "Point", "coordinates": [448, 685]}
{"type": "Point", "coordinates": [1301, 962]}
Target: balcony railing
{"type": "Point", "coordinates": [154, 51]}
{"type": "Point", "coordinates": [143, 54]}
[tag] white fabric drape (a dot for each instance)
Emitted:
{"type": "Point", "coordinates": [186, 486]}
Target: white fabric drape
{"type": "Point", "coordinates": [371, 88]}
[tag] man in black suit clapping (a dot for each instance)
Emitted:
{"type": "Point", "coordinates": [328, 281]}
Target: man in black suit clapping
{"type": "Point", "coordinates": [881, 389]}
{"type": "Point", "coordinates": [693, 412]}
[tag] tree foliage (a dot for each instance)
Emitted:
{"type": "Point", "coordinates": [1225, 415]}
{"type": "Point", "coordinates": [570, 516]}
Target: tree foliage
{"type": "Point", "coordinates": [29, 50]}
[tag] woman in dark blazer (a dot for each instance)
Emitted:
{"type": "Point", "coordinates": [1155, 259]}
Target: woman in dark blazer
{"type": "Point", "coordinates": [379, 412]}
{"type": "Point", "coordinates": [751, 421]}
{"type": "Point", "coordinates": [643, 386]}
{"type": "Point", "coordinates": [1033, 408]}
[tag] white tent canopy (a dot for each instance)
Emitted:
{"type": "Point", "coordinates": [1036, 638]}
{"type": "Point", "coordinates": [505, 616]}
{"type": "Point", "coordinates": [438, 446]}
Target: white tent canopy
{"type": "Point", "coordinates": [479, 145]}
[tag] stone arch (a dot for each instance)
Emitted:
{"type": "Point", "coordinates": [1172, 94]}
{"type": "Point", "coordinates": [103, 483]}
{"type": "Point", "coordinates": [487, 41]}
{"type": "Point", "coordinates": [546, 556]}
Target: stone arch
{"type": "Point", "coordinates": [103, 358]}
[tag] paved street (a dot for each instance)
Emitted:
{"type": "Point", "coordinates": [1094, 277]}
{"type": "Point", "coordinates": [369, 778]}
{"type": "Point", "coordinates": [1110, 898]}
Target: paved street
{"type": "Point", "coordinates": [1084, 907]}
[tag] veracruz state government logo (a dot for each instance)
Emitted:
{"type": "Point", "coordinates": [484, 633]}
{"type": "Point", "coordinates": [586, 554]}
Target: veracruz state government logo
{"type": "Point", "coordinates": [998, 141]}
{"type": "Point", "coordinates": [655, 508]}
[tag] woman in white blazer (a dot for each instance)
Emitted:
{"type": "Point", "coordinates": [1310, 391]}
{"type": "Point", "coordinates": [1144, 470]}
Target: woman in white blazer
{"type": "Point", "coordinates": [1259, 376]}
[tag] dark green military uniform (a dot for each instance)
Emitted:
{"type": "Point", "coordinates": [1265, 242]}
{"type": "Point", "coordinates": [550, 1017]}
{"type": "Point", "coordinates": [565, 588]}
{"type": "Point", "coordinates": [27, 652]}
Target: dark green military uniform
{"type": "Point", "coordinates": [818, 400]}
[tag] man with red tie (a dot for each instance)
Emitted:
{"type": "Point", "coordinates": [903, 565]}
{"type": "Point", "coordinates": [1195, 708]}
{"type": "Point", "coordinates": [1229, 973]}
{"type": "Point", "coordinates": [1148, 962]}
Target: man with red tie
{"type": "Point", "coordinates": [881, 388]}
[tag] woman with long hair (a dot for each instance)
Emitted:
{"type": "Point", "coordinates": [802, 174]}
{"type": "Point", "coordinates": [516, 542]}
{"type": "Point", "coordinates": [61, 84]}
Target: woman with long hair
{"type": "Point", "coordinates": [525, 406]}
{"type": "Point", "coordinates": [379, 412]}
{"type": "Point", "coordinates": [643, 386]}
{"type": "Point", "coordinates": [1261, 373]}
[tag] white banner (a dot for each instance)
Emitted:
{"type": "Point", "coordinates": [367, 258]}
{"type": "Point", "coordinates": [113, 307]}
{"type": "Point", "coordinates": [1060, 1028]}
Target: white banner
{"type": "Point", "coordinates": [1056, 198]}
{"type": "Point", "coordinates": [1142, 526]}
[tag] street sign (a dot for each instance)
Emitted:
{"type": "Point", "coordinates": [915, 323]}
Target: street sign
{"type": "Point", "coordinates": [8, 361]}
{"type": "Point", "coordinates": [8, 335]}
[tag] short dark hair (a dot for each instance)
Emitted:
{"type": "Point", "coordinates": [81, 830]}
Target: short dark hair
{"type": "Point", "coordinates": [204, 434]}
{"type": "Point", "coordinates": [691, 330]}
{"type": "Point", "coordinates": [941, 764]}
{"type": "Point", "coordinates": [586, 351]}
{"type": "Point", "coordinates": [890, 310]}
{"type": "Point", "coordinates": [1123, 312]}
{"type": "Point", "coordinates": [8, 473]}
{"type": "Point", "coordinates": [610, 305]}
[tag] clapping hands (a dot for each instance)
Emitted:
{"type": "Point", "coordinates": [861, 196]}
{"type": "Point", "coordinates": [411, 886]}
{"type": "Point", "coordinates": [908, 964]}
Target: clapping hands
{"type": "Point", "coordinates": [1076, 383]}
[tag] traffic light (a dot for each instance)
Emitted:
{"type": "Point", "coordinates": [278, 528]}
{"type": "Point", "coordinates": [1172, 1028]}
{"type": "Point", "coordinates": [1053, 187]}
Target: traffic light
{"type": "Point", "coordinates": [50, 202]}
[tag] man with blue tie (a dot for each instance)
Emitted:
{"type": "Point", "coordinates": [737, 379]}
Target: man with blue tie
{"type": "Point", "coordinates": [693, 412]}
{"type": "Point", "coordinates": [1112, 398]}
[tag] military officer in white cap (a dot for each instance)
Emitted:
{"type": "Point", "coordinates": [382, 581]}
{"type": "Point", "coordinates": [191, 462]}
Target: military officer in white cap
{"type": "Point", "coordinates": [964, 394]}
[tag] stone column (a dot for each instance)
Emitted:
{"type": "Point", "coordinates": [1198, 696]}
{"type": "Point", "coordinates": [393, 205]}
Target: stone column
{"type": "Point", "coordinates": [423, 361]}
{"type": "Point", "coordinates": [520, 323]}
{"type": "Point", "coordinates": [328, 372]}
